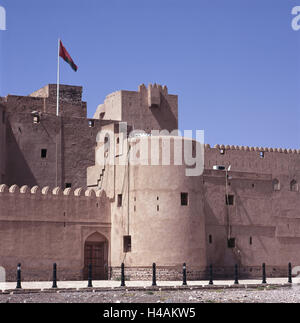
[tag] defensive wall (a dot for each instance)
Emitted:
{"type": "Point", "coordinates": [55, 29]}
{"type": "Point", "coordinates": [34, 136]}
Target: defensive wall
{"type": "Point", "coordinates": [42, 226]}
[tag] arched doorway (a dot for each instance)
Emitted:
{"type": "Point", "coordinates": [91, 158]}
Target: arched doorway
{"type": "Point", "coordinates": [96, 254]}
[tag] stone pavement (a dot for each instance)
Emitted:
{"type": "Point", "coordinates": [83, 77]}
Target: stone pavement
{"type": "Point", "coordinates": [110, 284]}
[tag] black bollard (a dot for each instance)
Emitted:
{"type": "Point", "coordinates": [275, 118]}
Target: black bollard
{"type": "Point", "coordinates": [54, 284]}
{"type": "Point", "coordinates": [90, 279]}
{"type": "Point", "coordinates": [154, 274]}
{"type": "Point", "coordinates": [211, 275]}
{"type": "Point", "coordinates": [264, 280]}
{"type": "Point", "coordinates": [236, 275]}
{"type": "Point", "coordinates": [290, 273]}
{"type": "Point", "coordinates": [19, 276]}
{"type": "Point", "coordinates": [122, 275]}
{"type": "Point", "coordinates": [184, 275]}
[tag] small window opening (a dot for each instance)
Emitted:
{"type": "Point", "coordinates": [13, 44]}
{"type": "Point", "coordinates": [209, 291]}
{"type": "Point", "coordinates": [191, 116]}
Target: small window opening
{"type": "Point", "coordinates": [276, 185]}
{"type": "Point", "coordinates": [253, 185]}
{"type": "Point", "coordinates": [250, 240]}
{"type": "Point", "coordinates": [118, 140]}
{"type": "Point", "coordinates": [157, 207]}
{"type": "Point", "coordinates": [68, 185]}
{"type": "Point", "coordinates": [262, 154]}
{"type": "Point", "coordinates": [120, 197]}
{"type": "Point", "coordinates": [210, 239]}
{"type": "Point", "coordinates": [231, 243]}
{"type": "Point", "coordinates": [229, 199]}
{"type": "Point", "coordinates": [44, 153]}
{"type": "Point", "coordinates": [36, 119]}
{"type": "Point", "coordinates": [127, 243]}
{"type": "Point", "coordinates": [294, 186]}
{"type": "Point", "coordinates": [91, 123]}
{"type": "Point", "coordinates": [184, 199]}
{"type": "Point", "coordinates": [222, 151]}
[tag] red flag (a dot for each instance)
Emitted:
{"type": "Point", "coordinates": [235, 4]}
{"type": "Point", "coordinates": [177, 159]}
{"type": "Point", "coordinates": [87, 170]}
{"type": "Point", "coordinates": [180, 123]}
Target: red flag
{"type": "Point", "coordinates": [63, 53]}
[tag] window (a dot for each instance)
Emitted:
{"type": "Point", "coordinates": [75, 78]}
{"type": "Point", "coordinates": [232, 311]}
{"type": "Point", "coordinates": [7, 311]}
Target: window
{"type": "Point", "coordinates": [276, 185]}
{"type": "Point", "coordinates": [231, 243]}
{"type": "Point", "coordinates": [120, 200]}
{"type": "Point", "coordinates": [36, 119]}
{"type": "Point", "coordinates": [222, 151]}
{"type": "Point", "coordinates": [68, 185]}
{"type": "Point", "coordinates": [44, 153]}
{"type": "Point", "coordinates": [91, 123]}
{"type": "Point", "coordinates": [157, 208]}
{"type": "Point", "coordinates": [229, 199]}
{"type": "Point", "coordinates": [261, 154]}
{"type": "Point", "coordinates": [184, 199]}
{"type": "Point", "coordinates": [294, 186]}
{"type": "Point", "coordinates": [210, 239]}
{"type": "Point", "coordinates": [250, 241]}
{"type": "Point", "coordinates": [127, 243]}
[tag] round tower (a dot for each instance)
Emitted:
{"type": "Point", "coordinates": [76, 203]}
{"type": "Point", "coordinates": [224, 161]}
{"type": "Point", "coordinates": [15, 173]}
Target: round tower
{"type": "Point", "coordinates": [161, 219]}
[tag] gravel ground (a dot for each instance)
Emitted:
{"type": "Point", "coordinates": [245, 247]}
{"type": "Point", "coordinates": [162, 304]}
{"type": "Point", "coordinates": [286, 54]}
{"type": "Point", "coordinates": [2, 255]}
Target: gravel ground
{"type": "Point", "coordinates": [255, 295]}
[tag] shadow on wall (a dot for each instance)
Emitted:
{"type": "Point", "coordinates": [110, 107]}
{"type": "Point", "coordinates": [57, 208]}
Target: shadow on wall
{"type": "Point", "coordinates": [2, 275]}
{"type": "Point", "coordinates": [164, 115]}
{"type": "Point", "coordinates": [17, 169]}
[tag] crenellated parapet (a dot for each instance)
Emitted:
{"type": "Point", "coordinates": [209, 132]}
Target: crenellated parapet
{"type": "Point", "coordinates": [47, 191]}
{"type": "Point", "coordinates": [54, 205]}
{"type": "Point", "coordinates": [154, 94]}
{"type": "Point", "coordinates": [249, 148]}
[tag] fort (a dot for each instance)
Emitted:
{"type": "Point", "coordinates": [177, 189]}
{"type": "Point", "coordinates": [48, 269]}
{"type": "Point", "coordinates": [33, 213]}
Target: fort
{"type": "Point", "coordinates": [58, 204]}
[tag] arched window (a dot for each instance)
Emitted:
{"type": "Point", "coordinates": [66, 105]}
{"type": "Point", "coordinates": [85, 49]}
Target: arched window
{"type": "Point", "coordinates": [276, 185]}
{"type": "Point", "coordinates": [294, 186]}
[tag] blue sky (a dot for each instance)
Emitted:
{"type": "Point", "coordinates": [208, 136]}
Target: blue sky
{"type": "Point", "coordinates": [235, 64]}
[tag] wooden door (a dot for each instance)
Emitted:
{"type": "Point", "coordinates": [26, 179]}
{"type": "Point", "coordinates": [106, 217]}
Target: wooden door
{"type": "Point", "coordinates": [94, 254]}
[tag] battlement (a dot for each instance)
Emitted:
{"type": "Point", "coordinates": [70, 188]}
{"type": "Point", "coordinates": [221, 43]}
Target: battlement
{"type": "Point", "coordinates": [54, 205]}
{"type": "Point", "coordinates": [258, 149]}
{"type": "Point", "coordinates": [155, 91]}
{"type": "Point", "coordinates": [47, 191]}
{"type": "Point", "coordinates": [154, 87]}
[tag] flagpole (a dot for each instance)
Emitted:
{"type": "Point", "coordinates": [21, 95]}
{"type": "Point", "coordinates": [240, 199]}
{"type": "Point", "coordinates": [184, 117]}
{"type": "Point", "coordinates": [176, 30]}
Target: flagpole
{"type": "Point", "coordinates": [57, 114]}
{"type": "Point", "coordinates": [57, 105]}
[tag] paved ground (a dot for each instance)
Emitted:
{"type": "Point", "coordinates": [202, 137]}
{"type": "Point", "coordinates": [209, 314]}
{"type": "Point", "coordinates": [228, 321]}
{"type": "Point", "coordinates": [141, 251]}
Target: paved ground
{"type": "Point", "coordinates": [248, 291]}
{"type": "Point", "coordinates": [268, 294]}
{"type": "Point", "coordinates": [115, 284]}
